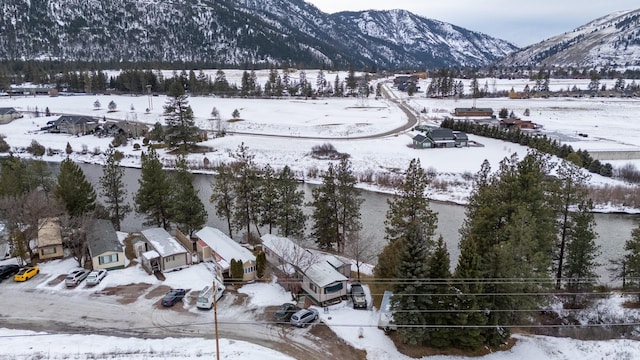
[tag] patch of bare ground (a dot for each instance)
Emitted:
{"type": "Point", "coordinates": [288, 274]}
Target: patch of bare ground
{"type": "Point", "coordinates": [127, 293]}
{"type": "Point", "coordinates": [417, 352]}
{"type": "Point", "coordinates": [57, 280]}
{"type": "Point", "coordinates": [336, 345]}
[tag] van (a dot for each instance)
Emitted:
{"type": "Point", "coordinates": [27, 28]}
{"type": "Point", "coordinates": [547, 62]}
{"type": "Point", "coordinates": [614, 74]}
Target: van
{"type": "Point", "coordinates": [205, 298]}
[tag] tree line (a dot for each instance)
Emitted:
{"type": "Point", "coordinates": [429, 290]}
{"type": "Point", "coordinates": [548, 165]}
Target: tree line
{"type": "Point", "coordinates": [541, 143]}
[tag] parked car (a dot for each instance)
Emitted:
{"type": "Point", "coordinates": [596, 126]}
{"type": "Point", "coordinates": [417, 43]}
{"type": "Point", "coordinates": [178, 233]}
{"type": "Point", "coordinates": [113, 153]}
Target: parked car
{"type": "Point", "coordinates": [284, 312]}
{"type": "Point", "coordinates": [358, 297]}
{"type": "Point", "coordinates": [173, 296]}
{"type": "Point", "coordinates": [7, 271]}
{"type": "Point", "coordinates": [303, 317]}
{"type": "Point", "coordinates": [95, 277]}
{"type": "Point", "coordinates": [75, 277]}
{"type": "Point", "coordinates": [206, 296]}
{"type": "Point", "coordinates": [26, 273]}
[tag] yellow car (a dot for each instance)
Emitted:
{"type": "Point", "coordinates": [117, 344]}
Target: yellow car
{"type": "Point", "coordinates": [26, 273]}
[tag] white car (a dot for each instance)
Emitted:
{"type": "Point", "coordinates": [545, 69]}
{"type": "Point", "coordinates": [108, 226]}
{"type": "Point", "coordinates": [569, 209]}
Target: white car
{"type": "Point", "coordinates": [96, 276]}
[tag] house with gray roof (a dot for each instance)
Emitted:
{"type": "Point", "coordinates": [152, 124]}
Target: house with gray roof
{"type": "Point", "coordinates": [321, 277]}
{"type": "Point", "coordinates": [72, 124]}
{"type": "Point", "coordinates": [8, 114]}
{"type": "Point", "coordinates": [104, 247]}
{"type": "Point", "coordinates": [440, 138]}
{"type": "Point", "coordinates": [162, 252]}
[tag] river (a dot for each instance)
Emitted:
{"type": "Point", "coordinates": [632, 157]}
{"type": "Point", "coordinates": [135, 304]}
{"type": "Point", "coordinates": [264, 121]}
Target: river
{"type": "Point", "coordinates": [613, 229]}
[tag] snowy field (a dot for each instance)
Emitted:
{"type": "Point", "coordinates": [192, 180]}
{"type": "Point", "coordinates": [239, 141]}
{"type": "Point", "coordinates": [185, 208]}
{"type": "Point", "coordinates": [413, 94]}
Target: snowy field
{"type": "Point", "coordinates": [283, 131]}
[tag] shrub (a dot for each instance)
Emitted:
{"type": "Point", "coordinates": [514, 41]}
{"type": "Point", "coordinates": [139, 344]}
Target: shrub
{"type": "Point", "coordinates": [325, 151]}
{"type": "Point", "coordinates": [35, 149]}
{"type": "Point", "coordinates": [68, 149]}
{"type": "Point", "coordinates": [4, 146]}
{"type": "Point", "coordinates": [136, 146]}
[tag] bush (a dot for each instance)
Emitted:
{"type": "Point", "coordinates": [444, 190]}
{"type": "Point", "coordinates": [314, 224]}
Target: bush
{"type": "Point", "coordinates": [325, 151]}
{"type": "Point", "coordinates": [4, 146]}
{"type": "Point", "coordinates": [68, 149]}
{"type": "Point", "coordinates": [36, 149]}
{"type": "Point", "coordinates": [136, 146]}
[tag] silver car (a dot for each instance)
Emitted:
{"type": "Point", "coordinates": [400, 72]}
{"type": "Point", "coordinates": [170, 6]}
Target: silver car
{"type": "Point", "coordinates": [75, 277]}
{"type": "Point", "coordinates": [304, 317]}
{"type": "Point", "coordinates": [95, 277]}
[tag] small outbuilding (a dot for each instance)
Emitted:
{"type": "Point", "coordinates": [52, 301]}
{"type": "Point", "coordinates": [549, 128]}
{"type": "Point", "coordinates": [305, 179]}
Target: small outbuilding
{"type": "Point", "coordinates": [105, 249]}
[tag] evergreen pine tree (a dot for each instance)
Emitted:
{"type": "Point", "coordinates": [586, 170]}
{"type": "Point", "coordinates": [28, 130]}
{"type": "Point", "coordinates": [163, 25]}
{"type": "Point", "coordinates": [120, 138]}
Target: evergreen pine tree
{"type": "Point", "coordinates": [74, 190]}
{"type": "Point", "coordinates": [187, 209]}
{"type": "Point", "coordinates": [325, 210]}
{"type": "Point", "coordinates": [153, 197]}
{"type": "Point", "coordinates": [290, 219]}
{"type": "Point", "coordinates": [246, 188]}
{"type": "Point", "coordinates": [348, 201]}
{"type": "Point", "coordinates": [113, 189]}
{"type": "Point", "coordinates": [582, 250]}
{"type": "Point", "coordinates": [409, 294]}
{"type": "Point", "coordinates": [269, 200]}
{"type": "Point", "coordinates": [439, 298]}
{"type": "Point", "coordinates": [632, 261]}
{"type": "Point", "coordinates": [179, 119]}
{"type": "Point", "coordinates": [222, 195]}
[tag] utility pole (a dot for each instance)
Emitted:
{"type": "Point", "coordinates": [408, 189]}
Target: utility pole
{"type": "Point", "coordinates": [149, 95]}
{"type": "Point", "coordinates": [215, 316]}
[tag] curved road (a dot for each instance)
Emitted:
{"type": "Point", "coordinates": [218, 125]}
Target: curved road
{"type": "Point", "coordinates": [412, 120]}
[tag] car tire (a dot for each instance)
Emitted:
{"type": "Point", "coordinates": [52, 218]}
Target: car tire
{"type": "Point", "coordinates": [315, 318]}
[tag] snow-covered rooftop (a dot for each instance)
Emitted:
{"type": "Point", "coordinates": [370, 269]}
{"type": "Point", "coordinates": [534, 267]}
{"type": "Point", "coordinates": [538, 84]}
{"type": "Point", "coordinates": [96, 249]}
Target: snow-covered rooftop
{"type": "Point", "coordinates": [163, 242]}
{"type": "Point", "coordinates": [224, 245]}
{"type": "Point", "coordinates": [323, 274]}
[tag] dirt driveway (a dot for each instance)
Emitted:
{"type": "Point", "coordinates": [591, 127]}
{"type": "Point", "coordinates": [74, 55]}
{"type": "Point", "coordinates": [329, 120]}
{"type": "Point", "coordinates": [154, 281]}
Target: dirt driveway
{"type": "Point", "coordinates": [134, 311]}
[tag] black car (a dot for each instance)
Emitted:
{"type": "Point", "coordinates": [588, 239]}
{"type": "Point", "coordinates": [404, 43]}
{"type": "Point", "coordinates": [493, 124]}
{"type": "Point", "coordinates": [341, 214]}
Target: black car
{"type": "Point", "coordinates": [358, 297]}
{"type": "Point", "coordinates": [284, 312]}
{"type": "Point", "coordinates": [173, 297]}
{"type": "Point", "coordinates": [7, 271]}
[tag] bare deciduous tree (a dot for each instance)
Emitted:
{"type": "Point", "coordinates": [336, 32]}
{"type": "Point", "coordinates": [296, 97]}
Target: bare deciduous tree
{"type": "Point", "coordinates": [359, 247]}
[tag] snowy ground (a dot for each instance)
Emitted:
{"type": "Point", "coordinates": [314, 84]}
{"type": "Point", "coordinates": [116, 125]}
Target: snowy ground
{"type": "Point", "coordinates": [357, 327]}
{"type": "Point", "coordinates": [610, 123]}
{"type": "Point", "coordinates": [282, 132]}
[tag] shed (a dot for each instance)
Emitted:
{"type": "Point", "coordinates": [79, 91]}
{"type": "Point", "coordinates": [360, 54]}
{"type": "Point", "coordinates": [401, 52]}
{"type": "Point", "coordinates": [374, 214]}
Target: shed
{"type": "Point", "coordinates": [105, 249]}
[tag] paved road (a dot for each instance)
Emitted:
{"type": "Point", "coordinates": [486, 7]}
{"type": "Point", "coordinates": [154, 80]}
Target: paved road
{"type": "Point", "coordinates": [82, 311]}
{"type": "Point", "coordinates": [412, 120]}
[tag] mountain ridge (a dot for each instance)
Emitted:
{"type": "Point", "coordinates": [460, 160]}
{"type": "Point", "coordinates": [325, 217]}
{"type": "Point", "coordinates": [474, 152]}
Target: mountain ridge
{"type": "Point", "coordinates": [236, 33]}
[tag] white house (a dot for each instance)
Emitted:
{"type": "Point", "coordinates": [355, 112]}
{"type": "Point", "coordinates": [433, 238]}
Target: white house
{"type": "Point", "coordinates": [162, 252]}
{"type": "Point", "coordinates": [213, 244]}
{"type": "Point", "coordinates": [322, 277]}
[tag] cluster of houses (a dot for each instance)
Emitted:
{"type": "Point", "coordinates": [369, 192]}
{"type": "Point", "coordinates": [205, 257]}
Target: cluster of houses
{"type": "Point", "coordinates": [321, 278]}
{"type": "Point", "coordinates": [85, 125]}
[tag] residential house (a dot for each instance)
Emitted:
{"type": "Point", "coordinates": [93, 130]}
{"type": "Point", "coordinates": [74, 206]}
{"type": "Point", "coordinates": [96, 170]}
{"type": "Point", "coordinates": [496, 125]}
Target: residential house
{"type": "Point", "coordinates": [49, 239]}
{"type": "Point", "coordinates": [517, 123]}
{"type": "Point", "coordinates": [322, 277]}
{"type": "Point", "coordinates": [473, 111]}
{"type": "Point", "coordinates": [129, 129]}
{"type": "Point", "coordinates": [105, 249]}
{"type": "Point", "coordinates": [72, 124]}
{"type": "Point", "coordinates": [440, 138]}
{"type": "Point", "coordinates": [162, 252]}
{"type": "Point", "coordinates": [214, 245]}
{"type": "Point", "coordinates": [8, 114]}
{"type": "Point", "coordinates": [462, 140]}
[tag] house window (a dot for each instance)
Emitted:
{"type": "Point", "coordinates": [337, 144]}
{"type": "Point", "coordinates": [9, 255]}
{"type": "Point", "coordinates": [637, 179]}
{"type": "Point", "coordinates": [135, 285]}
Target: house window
{"type": "Point", "coordinates": [313, 287]}
{"type": "Point", "coordinates": [107, 259]}
{"type": "Point", "coordinates": [48, 251]}
{"type": "Point", "coordinates": [333, 288]}
{"type": "Point", "coordinates": [169, 259]}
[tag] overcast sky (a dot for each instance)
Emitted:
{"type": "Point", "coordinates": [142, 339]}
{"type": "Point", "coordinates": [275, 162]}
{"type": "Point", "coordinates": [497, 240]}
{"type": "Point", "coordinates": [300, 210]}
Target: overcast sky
{"type": "Point", "coordinates": [522, 22]}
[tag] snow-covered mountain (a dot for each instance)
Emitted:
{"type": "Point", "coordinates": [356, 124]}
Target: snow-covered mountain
{"type": "Point", "coordinates": [612, 40]}
{"type": "Point", "coordinates": [235, 32]}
